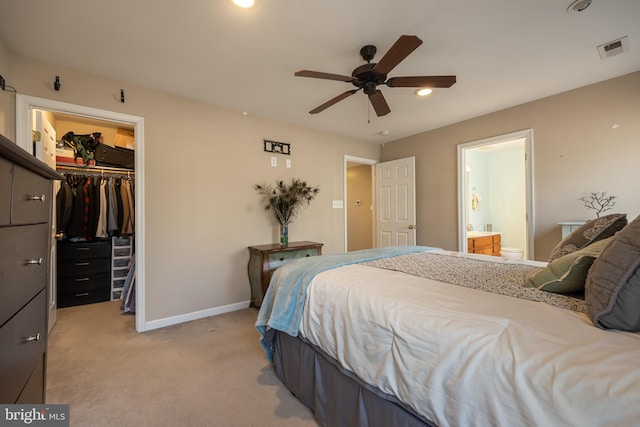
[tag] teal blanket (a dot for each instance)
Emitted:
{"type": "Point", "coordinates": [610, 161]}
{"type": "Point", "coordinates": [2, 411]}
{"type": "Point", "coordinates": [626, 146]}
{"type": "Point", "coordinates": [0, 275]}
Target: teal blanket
{"type": "Point", "coordinates": [283, 303]}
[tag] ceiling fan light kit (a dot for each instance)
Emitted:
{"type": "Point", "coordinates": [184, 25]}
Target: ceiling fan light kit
{"type": "Point", "coordinates": [244, 4]}
{"type": "Point", "coordinates": [368, 76]}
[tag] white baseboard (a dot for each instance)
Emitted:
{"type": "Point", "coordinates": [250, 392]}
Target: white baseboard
{"type": "Point", "coordinates": [174, 320]}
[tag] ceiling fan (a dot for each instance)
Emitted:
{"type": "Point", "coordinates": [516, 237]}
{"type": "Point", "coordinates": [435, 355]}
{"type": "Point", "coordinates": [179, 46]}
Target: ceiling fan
{"type": "Point", "coordinates": [368, 76]}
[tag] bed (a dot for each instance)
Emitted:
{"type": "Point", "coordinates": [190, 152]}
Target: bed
{"type": "Point", "coordinates": [418, 336]}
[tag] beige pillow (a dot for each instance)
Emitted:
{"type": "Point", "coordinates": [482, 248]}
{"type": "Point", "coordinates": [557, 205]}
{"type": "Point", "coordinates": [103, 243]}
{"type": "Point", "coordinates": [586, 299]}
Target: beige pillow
{"type": "Point", "coordinates": [568, 273]}
{"type": "Point", "coordinates": [590, 232]}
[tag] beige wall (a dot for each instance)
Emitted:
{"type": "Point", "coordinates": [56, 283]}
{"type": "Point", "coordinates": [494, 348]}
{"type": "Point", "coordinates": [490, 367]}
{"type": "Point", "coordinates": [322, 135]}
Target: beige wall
{"type": "Point", "coordinates": [359, 217]}
{"type": "Point", "coordinates": [7, 99]}
{"type": "Point", "coordinates": [201, 163]}
{"type": "Point", "coordinates": [577, 151]}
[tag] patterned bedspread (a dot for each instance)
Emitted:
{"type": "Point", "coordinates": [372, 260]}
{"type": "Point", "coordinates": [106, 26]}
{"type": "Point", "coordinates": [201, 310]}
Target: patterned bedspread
{"type": "Point", "coordinates": [504, 278]}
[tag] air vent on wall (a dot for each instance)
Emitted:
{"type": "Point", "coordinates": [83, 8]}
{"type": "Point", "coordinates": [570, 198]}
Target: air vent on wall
{"type": "Point", "coordinates": [613, 48]}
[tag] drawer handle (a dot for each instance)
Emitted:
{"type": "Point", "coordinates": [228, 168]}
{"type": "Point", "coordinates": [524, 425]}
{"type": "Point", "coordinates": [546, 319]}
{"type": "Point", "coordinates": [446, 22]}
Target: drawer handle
{"type": "Point", "coordinates": [34, 261]}
{"type": "Point", "coordinates": [35, 337]}
{"type": "Point", "coordinates": [83, 249]}
{"type": "Point", "coordinates": [82, 263]}
{"type": "Point", "coordinates": [82, 279]}
{"type": "Point", "coordinates": [39, 198]}
{"type": "Point", "coordinates": [84, 294]}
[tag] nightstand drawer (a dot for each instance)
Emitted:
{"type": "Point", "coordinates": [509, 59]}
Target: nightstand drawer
{"type": "Point", "coordinates": [280, 258]}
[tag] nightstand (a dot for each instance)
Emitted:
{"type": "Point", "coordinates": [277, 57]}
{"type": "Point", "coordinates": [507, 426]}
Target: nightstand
{"type": "Point", "coordinates": [264, 259]}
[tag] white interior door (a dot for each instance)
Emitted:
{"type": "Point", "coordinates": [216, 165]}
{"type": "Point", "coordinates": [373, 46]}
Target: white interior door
{"type": "Point", "coordinates": [45, 147]}
{"type": "Point", "coordinates": [45, 150]}
{"type": "Point", "coordinates": [396, 203]}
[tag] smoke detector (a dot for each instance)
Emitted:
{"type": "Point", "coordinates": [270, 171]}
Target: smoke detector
{"type": "Point", "coordinates": [578, 5]}
{"type": "Point", "coordinates": [613, 48]}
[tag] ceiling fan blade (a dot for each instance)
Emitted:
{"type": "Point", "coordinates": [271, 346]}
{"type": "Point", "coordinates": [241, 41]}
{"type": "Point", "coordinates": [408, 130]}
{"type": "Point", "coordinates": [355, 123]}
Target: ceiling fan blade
{"type": "Point", "coordinates": [332, 101]}
{"type": "Point", "coordinates": [326, 76]}
{"type": "Point", "coordinates": [422, 81]}
{"type": "Point", "coordinates": [379, 103]}
{"type": "Point", "coordinates": [400, 50]}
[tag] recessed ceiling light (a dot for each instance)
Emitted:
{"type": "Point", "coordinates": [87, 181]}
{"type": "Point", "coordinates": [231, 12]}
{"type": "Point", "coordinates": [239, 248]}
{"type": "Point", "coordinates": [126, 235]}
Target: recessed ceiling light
{"type": "Point", "coordinates": [579, 5]}
{"type": "Point", "coordinates": [423, 92]}
{"type": "Point", "coordinates": [245, 4]}
{"type": "Point", "coordinates": [383, 133]}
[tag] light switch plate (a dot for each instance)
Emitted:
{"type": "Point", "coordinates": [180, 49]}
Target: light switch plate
{"type": "Point", "coordinates": [336, 204]}
{"type": "Point", "coordinates": [274, 161]}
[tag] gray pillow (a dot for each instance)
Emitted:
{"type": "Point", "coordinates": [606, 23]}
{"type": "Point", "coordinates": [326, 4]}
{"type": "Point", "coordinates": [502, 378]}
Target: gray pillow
{"type": "Point", "coordinates": [612, 288]}
{"type": "Point", "coordinates": [590, 232]}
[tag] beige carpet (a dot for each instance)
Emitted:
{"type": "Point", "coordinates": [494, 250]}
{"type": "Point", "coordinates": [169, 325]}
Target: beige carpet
{"type": "Point", "coordinates": [209, 372]}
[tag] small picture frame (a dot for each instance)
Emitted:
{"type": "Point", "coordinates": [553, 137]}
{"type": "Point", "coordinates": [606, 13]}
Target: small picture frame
{"type": "Point", "coordinates": [277, 147]}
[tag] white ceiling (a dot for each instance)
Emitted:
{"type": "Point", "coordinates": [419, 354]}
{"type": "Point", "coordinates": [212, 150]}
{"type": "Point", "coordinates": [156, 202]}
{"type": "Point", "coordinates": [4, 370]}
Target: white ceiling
{"type": "Point", "coordinates": [504, 52]}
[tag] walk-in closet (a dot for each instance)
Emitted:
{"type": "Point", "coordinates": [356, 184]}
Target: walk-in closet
{"type": "Point", "coordinates": [93, 249]}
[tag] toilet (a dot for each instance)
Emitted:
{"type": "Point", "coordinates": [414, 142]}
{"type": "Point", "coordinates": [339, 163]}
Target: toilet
{"type": "Point", "coordinates": [512, 253]}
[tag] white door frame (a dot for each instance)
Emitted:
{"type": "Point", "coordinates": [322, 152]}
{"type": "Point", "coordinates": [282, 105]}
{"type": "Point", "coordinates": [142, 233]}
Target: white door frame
{"type": "Point", "coordinates": [24, 106]}
{"type": "Point", "coordinates": [527, 134]}
{"type": "Point", "coordinates": [364, 161]}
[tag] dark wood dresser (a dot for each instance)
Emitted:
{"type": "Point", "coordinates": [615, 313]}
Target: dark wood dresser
{"type": "Point", "coordinates": [25, 240]}
{"type": "Point", "coordinates": [264, 259]}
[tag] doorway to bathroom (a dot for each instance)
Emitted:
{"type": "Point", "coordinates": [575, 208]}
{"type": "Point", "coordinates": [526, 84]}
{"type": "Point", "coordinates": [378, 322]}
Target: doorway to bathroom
{"type": "Point", "coordinates": [495, 192]}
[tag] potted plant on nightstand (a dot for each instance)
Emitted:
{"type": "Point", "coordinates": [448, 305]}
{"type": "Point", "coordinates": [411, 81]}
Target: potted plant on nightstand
{"type": "Point", "coordinates": [286, 200]}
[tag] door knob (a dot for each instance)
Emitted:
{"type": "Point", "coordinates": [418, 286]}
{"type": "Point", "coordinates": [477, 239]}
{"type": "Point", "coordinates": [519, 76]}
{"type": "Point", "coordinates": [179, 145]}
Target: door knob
{"type": "Point", "coordinates": [412, 227]}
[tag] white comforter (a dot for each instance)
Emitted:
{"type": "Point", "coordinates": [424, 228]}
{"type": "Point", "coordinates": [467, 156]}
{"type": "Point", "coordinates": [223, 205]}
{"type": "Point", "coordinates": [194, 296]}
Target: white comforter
{"type": "Point", "coordinates": [463, 357]}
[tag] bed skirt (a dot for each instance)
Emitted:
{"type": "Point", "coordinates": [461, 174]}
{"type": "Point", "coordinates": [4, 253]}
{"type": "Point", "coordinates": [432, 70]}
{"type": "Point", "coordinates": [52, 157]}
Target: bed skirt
{"type": "Point", "coordinates": [337, 397]}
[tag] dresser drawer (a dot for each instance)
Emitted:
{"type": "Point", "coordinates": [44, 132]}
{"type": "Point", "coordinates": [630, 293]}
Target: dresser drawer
{"type": "Point", "coordinates": [280, 258]}
{"type": "Point", "coordinates": [83, 266]}
{"type": "Point", "coordinates": [77, 251]}
{"type": "Point", "coordinates": [33, 392]}
{"type": "Point", "coordinates": [5, 191]}
{"type": "Point", "coordinates": [80, 297]}
{"type": "Point", "coordinates": [23, 266]}
{"type": "Point", "coordinates": [31, 197]}
{"type": "Point", "coordinates": [23, 341]}
{"type": "Point", "coordinates": [84, 283]}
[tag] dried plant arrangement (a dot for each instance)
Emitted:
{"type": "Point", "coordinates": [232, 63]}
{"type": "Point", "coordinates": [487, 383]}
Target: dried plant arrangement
{"type": "Point", "coordinates": [599, 202]}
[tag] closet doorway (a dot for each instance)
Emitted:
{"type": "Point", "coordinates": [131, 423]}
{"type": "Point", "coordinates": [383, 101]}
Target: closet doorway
{"type": "Point", "coordinates": [359, 213]}
{"type": "Point", "coordinates": [25, 107]}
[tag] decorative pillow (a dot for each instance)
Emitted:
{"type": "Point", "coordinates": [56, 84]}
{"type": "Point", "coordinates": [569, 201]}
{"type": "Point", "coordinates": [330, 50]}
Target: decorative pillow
{"type": "Point", "coordinates": [568, 273]}
{"type": "Point", "coordinates": [612, 289]}
{"type": "Point", "coordinates": [590, 232]}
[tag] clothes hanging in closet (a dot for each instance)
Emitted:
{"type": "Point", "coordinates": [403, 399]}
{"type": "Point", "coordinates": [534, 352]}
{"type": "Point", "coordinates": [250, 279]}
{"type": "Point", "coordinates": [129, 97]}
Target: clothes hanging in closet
{"type": "Point", "coordinates": [90, 207]}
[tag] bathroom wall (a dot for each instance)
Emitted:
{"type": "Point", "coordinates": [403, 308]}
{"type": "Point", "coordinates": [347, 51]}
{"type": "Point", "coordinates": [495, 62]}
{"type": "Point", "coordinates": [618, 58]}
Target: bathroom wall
{"type": "Point", "coordinates": [507, 204]}
{"type": "Point", "coordinates": [497, 175]}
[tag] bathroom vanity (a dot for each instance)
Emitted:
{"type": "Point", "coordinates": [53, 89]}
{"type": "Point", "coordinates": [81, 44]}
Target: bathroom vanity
{"type": "Point", "coordinates": [484, 242]}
